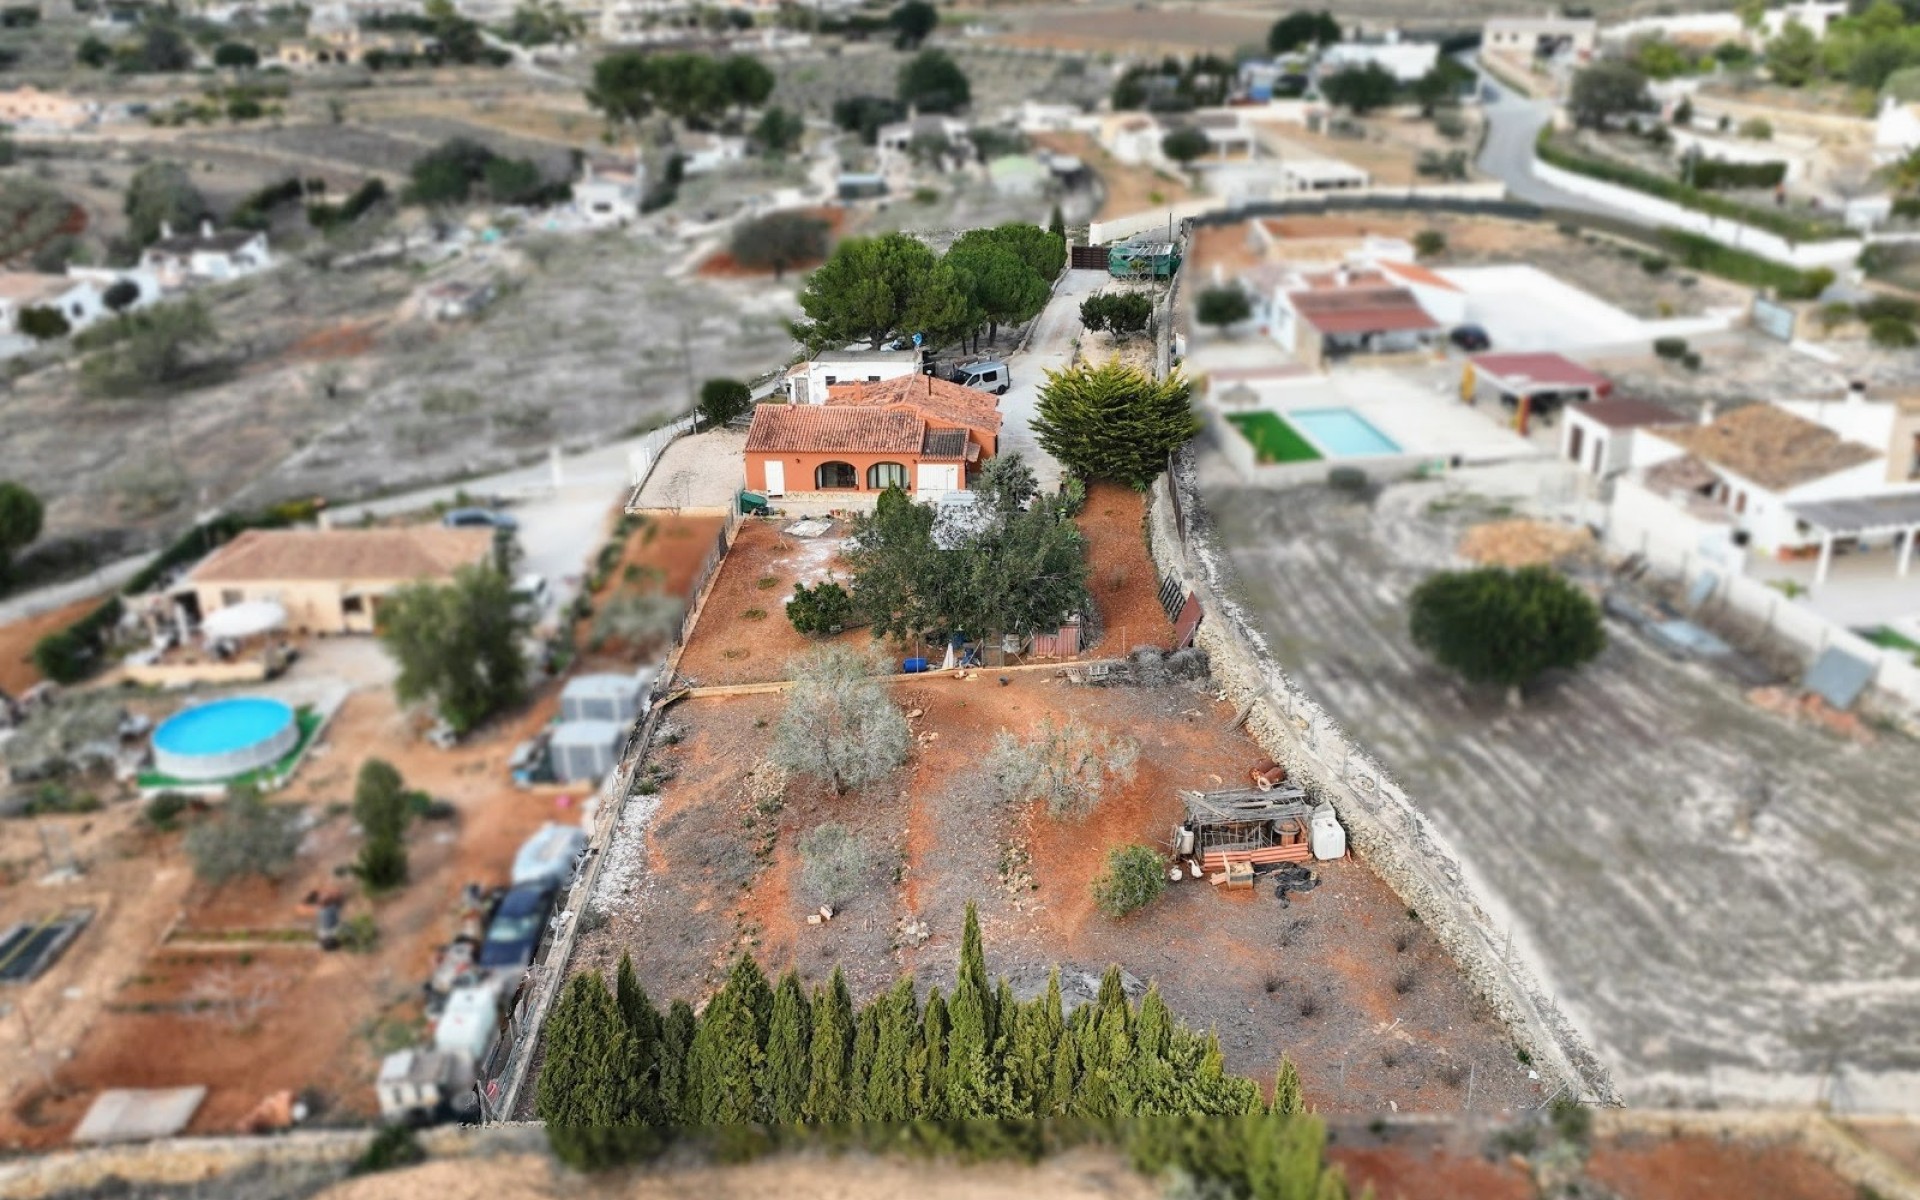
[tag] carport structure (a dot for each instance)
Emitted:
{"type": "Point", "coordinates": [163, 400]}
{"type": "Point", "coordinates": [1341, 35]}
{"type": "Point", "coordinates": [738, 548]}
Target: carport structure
{"type": "Point", "coordinates": [1532, 383]}
{"type": "Point", "coordinates": [1861, 517]}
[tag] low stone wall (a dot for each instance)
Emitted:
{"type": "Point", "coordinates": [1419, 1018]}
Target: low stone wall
{"type": "Point", "coordinates": [1383, 824]}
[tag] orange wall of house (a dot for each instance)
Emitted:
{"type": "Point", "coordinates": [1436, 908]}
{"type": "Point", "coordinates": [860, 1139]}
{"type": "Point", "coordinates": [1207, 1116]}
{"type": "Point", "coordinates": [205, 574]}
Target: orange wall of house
{"type": "Point", "coordinates": [800, 469]}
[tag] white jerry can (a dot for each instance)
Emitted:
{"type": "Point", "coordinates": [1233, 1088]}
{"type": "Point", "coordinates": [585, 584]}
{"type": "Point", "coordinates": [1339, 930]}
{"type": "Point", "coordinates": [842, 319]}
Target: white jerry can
{"type": "Point", "coordinates": [1327, 838]}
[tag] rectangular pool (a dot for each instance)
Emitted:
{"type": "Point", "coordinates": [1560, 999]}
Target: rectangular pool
{"type": "Point", "coordinates": [1342, 432]}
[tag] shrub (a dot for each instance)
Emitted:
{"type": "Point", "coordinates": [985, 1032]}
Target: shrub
{"type": "Point", "coordinates": [1505, 627]}
{"type": "Point", "coordinates": [1654, 264]}
{"type": "Point", "coordinates": [1067, 765]}
{"type": "Point", "coordinates": [1134, 878]}
{"type": "Point", "coordinates": [1900, 308]}
{"type": "Point", "coordinates": [1670, 347]}
{"type": "Point", "coordinates": [779, 241]}
{"type": "Point", "coordinates": [393, 1147]}
{"type": "Point", "coordinates": [1712, 173]}
{"type": "Point", "coordinates": [163, 811]}
{"type": "Point", "coordinates": [1222, 306]}
{"type": "Point", "coordinates": [839, 724]}
{"type": "Point", "coordinates": [1347, 479]}
{"type": "Point", "coordinates": [1756, 128]}
{"type": "Point", "coordinates": [248, 837]}
{"type": "Point", "coordinates": [1118, 313]}
{"type": "Point", "coordinates": [1690, 360]}
{"type": "Point", "coordinates": [1891, 333]}
{"type": "Point", "coordinates": [1429, 242]}
{"type": "Point", "coordinates": [62, 657]}
{"type": "Point", "coordinates": [824, 608]}
{"type": "Point", "coordinates": [834, 864]}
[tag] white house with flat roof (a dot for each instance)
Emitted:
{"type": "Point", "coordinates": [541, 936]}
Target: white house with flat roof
{"type": "Point", "coordinates": [609, 191]}
{"type": "Point", "coordinates": [78, 301]}
{"type": "Point", "coordinates": [807, 383]}
{"type": "Point", "coordinates": [1549, 37]}
{"type": "Point", "coordinates": [1405, 61]}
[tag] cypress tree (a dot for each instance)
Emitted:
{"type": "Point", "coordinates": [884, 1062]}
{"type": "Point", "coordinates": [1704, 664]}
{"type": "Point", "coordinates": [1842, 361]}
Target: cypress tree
{"type": "Point", "coordinates": [973, 970]}
{"type": "Point", "coordinates": [676, 1049]}
{"type": "Point", "coordinates": [1285, 1158]}
{"type": "Point", "coordinates": [1064, 1080]}
{"type": "Point", "coordinates": [727, 1063]}
{"type": "Point", "coordinates": [968, 1079]}
{"type": "Point", "coordinates": [643, 1021]}
{"type": "Point", "coordinates": [933, 1041]}
{"type": "Point", "coordinates": [866, 1038]}
{"type": "Point", "coordinates": [787, 1051]}
{"type": "Point", "coordinates": [896, 1030]}
{"type": "Point", "coordinates": [748, 982]}
{"type": "Point", "coordinates": [585, 1086]}
{"type": "Point", "coordinates": [1150, 1081]}
{"type": "Point", "coordinates": [1288, 1099]}
{"type": "Point", "coordinates": [828, 1054]}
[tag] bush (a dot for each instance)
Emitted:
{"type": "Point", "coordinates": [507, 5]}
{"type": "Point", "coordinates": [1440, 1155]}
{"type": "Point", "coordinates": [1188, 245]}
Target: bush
{"type": "Point", "coordinates": [779, 241]}
{"type": "Point", "coordinates": [1900, 308]}
{"type": "Point", "coordinates": [1118, 313]}
{"type": "Point", "coordinates": [163, 811]}
{"type": "Point", "coordinates": [1756, 128]}
{"type": "Point", "coordinates": [1067, 765]}
{"type": "Point", "coordinates": [1222, 306]}
{"type": "Point", "coordinates": [1715, 173]}
{"type": "Point", "coordinates": [62, 657]}
{"type": "Point", "coordinates": [1654, 264]}
{"type": "Point", "coordinates": [1670, 347]}
{"type": "Point", "coordinates": [1891, 333]}
{"type": "Point", "coordinates": [1429, 242]}
{"type": "Point", "coordinates": [824, 608]}
{"type": "Point", "coordinates": [248, 837]}
{"type": "Point", "coordinates": [1134, 878]}
{"type": "Point", "coordinates": [393, 1147]}
{"type": "Point", "coordinates": [1498, 626]}
{"type": "Point", "coordinates": [1690, 360]}
{"type": "Point", "coordinates": [834, 865]}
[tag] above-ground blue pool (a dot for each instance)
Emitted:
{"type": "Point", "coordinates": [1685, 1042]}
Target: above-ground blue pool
{"type": "Point", "coordinates": [224, 738]}
{"type": "Point", "coordinates": [1341, 432]}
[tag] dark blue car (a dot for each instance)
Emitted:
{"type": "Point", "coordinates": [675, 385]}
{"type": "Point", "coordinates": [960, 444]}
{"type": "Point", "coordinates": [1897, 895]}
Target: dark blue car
{"type": "Point", "coordinates": [514, 933]}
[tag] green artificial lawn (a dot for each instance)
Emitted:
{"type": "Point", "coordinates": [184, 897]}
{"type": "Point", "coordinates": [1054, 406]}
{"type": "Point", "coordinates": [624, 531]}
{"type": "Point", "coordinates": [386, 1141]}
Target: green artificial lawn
{"type": "Point", "coordinates": [309, 722]}
{"type": "Point", "coordinates": [1273, 439]}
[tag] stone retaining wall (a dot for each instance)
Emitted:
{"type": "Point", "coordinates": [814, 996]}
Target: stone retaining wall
{"type": "Point", "coordinates": [1383, 824]}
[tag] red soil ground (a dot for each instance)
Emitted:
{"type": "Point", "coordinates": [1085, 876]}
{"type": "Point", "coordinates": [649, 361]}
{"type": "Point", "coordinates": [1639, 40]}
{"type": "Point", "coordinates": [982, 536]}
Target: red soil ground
{"type": "Point", "coordinates": [1124, 584]}
{"type": "Point", "coordinates": [661, 555]}
{"type": "Point", "coordinates": [17, 672]}
{"type": "Point", "coordinates": [1687, 1168]}
{"type": "Point", "coordinates": [350, 339]}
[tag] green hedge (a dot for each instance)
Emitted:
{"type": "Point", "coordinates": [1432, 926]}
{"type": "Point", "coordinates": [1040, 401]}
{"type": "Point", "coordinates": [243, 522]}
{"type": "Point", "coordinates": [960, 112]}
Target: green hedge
{"type": "Point", "coordinates": [1716, 173]}
{"type": "Point", "coordinates": [1701, 253]}
{"type": "Point", "coordinates": [1907, 206]}
{"type": "Point", "coordinates": [1788, 225]}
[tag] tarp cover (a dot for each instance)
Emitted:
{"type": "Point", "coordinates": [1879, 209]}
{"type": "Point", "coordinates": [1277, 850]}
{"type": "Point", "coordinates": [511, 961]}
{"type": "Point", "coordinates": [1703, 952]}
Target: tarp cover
{"type": "Point", "coordinates": [1838, 677]}
{"type": "Point", "coordinates": [139, 1114]}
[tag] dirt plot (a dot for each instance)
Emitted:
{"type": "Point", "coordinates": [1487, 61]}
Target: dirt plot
{"type": "Point", "coordinates": [743, 635]}
{"type": "Point", "coordinates": [1716, 895]}
{"type": "Point", "coordinates": [1343, 977]}
{"type": "Point", "coordinates": [1123, 581]}
{"type": "Point", "coordinates": [270, 1011]}
{"type": "Point", "coordinates": [659, 558]}
{"type": "Point", "coordinates": [1689, 1167]}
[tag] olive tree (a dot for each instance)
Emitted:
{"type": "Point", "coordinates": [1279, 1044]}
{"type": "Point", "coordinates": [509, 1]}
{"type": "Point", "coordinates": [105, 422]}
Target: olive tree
{"type": "Point", "coordinates": [839, 724]}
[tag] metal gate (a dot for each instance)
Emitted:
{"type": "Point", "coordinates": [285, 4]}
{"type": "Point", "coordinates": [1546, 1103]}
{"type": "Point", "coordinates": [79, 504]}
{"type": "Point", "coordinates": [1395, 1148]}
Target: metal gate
{"type": "Point", "coordinates": [1088, 258]}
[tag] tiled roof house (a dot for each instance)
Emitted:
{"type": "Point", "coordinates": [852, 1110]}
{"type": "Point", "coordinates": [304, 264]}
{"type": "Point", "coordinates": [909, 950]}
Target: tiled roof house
{"type": "Point", "coordinates": [915, 432]}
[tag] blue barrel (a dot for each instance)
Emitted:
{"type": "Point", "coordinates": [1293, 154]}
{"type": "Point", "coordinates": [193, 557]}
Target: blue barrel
{"type": "Point", "coordinates": [913, 666]}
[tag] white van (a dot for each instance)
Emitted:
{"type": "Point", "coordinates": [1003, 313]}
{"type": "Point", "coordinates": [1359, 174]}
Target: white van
{"type": "Point", "coordinates": [987, 376]}
{"type": "Point", "coordinates": [532, 596]}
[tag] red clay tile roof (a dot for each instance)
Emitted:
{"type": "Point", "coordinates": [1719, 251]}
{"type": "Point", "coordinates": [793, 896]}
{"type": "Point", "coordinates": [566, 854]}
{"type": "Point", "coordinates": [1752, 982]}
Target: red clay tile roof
{"type": "Point", "coordinates": [1771, 446]}
{"type": "Point", "coordinates": [344, 555]}
{"type": "Point", "coordinates": [1361, 310]}
{"type": "Point", "coordinates": [1553, 369]}
{"type": "Point", "coordinates": [945, 444]}
{"type": "Point", "coordinates": [939, 399]}
{"type": "Point", "coordinates": [817, 428]}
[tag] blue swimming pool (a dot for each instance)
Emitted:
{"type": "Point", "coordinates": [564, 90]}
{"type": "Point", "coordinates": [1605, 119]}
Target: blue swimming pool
{"type": "Point", "coordinates": [224, 738]}
{"type": "Point", "coordinates": [1341, 432]}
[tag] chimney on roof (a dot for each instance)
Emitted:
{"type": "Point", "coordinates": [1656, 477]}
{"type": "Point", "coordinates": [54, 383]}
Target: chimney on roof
{"type": "Point", "coordinates": [1856, 391]}
{"type": "Point", "coordinates": [1706, 413]}
{"type": "Point", "coordinates": [206, 227]}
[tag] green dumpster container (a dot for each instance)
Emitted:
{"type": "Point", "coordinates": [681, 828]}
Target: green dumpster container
{"type": "Point", "coordinates": [752, 504]}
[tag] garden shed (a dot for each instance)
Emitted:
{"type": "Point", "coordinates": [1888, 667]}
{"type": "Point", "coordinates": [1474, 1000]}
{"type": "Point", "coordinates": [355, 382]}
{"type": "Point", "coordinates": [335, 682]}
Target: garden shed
{"type": "Point", "coordinates": [1245, 826]}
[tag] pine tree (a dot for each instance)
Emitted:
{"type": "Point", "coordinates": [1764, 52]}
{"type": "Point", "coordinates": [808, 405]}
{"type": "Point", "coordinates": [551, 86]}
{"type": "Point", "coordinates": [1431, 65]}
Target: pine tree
{"type": "Point", "coordinates": [932, 1103]}
{"type": "Point", "coordinates": [787, 1050]}
{"type": "Point", "coordinates": [828, 1054]}
{"type": "Point", "coordinates": [1288, 1099]}
{"type": "Point", "coordinates": [643, 1021]}
{"type": "Point", "coordinates": [727, 1063]}
{"type": "Point", "coordinates": [676, 1048]}
{"type": "Point", "coordinates": [896, 1031]}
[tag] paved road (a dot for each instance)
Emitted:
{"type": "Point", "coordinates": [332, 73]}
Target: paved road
{"type": "Point", "coordinates": [1513, 123]}
{"type": "Point", "coordinates": [1049, 347]}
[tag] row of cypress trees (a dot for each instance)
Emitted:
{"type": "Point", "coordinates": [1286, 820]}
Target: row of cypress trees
{"type": "Point", "coordinates": [772, 1056]}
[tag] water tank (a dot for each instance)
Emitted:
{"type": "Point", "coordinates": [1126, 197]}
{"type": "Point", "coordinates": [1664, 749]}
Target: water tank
{"type": "Point", "coordinates": [1325, 835]}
